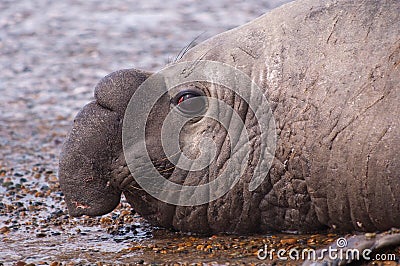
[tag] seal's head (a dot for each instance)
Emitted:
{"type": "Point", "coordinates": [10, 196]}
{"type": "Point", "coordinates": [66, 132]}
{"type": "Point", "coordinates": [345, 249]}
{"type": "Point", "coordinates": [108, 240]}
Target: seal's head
{"type": "Point", "coordinates": [178, 144]}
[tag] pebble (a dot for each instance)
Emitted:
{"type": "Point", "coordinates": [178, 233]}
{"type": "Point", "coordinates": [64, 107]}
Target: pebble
{"type": "Point", "coordinates": [370, 235]}
{"type": "Point", "coordinates": [4, 230]}
{"type": "Point", "coordinates": [288, 241]}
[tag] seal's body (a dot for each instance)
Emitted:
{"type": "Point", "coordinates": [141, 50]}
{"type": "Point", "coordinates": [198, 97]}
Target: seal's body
{"type": "Point", "coordinates": [330, 70]}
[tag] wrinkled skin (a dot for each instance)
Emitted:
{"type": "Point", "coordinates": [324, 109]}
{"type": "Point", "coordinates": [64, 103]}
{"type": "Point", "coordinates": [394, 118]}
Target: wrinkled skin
{"type": "Point", "coordinates": [330, 70]}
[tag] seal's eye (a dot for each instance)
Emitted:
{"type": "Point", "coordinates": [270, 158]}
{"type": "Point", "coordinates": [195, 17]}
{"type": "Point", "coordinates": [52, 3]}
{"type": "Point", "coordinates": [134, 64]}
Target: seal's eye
{"type": "Point", "coordinates": [191, 102]}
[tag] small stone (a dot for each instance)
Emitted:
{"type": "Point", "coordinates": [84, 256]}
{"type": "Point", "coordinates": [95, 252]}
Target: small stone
{"type": "Point", "coordinates": [7, 184]}
{"type": "Point", "coordinates": [200, 247]}
{"type": "Point", "coordinates": [40, 235]}
{"type": "Point", "coordinates": [53, 178]}
{"type": "Point", "coordinates": [288, 241]}
{"type": "Point", "coordinates": [124, 213]}
{"type": "Point", "coordinates": [39, 194]}
{"type": "Point", "coordinates": [4, 230]}
{"type": "Point", "coordinates": [106, 220]}
{"type": "Point", "coordinates": [390, 263]}
{"type": "Point", "coordinates": [370, 235]}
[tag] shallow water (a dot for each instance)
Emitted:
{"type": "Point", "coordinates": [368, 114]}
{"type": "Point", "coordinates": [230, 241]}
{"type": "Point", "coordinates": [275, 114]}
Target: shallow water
{"type": "Point", "coordinates": [52, 53]}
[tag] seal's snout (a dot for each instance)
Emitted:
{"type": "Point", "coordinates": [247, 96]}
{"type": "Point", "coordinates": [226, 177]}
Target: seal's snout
{"type": "Point", "coordinates": [85, 161]}
{"type": "Point", "coordinates": [94, 142]}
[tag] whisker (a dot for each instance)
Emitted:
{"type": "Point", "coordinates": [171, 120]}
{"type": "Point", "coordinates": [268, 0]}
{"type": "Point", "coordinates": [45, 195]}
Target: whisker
{"type": "Point", "coordinates": [186, 48]}
{"type": "Point", "coordinates": [167, 158]}
{"type": "Point", "coordinates": [166, 170]}
{"type": "Point", "coordinates": [136, 188]}
{"type": "Point", "coordinates": [190, 69]}
{"type": "Point", "coordinates": [203, 55]}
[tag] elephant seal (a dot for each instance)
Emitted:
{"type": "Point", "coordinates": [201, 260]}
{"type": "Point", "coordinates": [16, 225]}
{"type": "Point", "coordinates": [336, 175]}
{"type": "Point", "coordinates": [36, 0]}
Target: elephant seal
{"type": "Point", "coordinates": [330, 72]}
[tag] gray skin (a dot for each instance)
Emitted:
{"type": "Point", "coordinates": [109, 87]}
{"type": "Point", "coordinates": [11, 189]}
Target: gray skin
{"type": "Point", "coordinates": [330, 70]}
